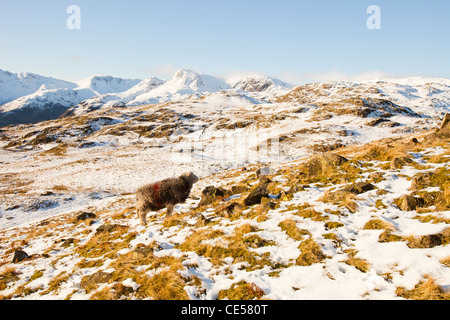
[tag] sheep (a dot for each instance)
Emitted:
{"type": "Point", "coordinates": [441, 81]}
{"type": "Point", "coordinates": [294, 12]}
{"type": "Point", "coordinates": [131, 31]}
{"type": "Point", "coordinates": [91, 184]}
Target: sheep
{"type": "Point", "coordinates": [165, 193]}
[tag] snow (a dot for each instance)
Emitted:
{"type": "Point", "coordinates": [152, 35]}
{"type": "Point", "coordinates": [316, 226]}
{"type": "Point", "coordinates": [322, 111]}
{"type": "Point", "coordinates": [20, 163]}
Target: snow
{"type": "Point", "coordinates": [16, 85]}
{"type": "Point", "coordinates": [26, 90]}
{"type": "Point", "coordinates": [103, 176]}
{"type": "Point", "coordinates": [103, 84]}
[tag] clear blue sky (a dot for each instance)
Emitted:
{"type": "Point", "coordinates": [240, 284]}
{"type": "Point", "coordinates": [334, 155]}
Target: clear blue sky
{"type": "Point", "coordinates": [295, 40]}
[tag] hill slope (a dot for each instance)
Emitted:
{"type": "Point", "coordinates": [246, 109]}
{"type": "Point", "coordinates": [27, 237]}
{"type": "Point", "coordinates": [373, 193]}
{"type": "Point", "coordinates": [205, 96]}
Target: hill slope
{"type": "Point", "coordinates": [371, 223]}
{"type": "Point", "coordinates": [328, 227]}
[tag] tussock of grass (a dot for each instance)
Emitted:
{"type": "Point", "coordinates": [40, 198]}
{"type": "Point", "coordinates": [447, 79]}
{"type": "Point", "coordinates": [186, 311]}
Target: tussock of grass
{"type": "Point", "coordinates": [424, 290]}
{"type": "Point", "coordinates": [358, 263]}
{"type": "Point", "coordinates": [106, 243]}
{"type": "Point", "coordinates": [341, 198]}
{"type": "Point", "coordinates": [378, 224]}
{"type": "Point", "coordinates": [242, 291]}
{"type": "Point", "coordinates": [290, 227]}
{"type": "Point", "coordinates": [311, 253]}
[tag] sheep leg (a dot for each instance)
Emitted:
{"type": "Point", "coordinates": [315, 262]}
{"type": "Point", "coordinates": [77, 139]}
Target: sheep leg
{"type": "Point", "coordinates": [142, 215]}
{"type": "Point", "coordinates": [169, 210]}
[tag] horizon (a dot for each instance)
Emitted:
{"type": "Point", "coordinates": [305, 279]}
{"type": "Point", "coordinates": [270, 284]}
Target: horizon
{"type": "Point", "coordinates": [238, 76]}
{"type": "Point", "coordinates": [294, 41]}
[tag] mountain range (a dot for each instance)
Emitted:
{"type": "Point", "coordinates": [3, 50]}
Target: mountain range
{"type": "Point", "coordinates": [29, 98]}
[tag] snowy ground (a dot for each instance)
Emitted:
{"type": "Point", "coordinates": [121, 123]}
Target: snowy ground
{"type": "Point", "coordinates": [45, 186]}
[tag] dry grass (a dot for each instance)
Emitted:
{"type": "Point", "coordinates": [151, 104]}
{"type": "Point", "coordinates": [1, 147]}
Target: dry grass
{"type": "Point", "coordinates": [290, 227]}
{"type": "Point", "coordinates": [378, 224]}
{"type": "Point", "coordinates": [424, 290]}
{"type": "Point", "coordinates": [242, 291]}
{"type": "Point", "coordinates": [311, 253]}
{"type": "Point", "coordinates": [360, 264]}
{"type": "Point", "coordinates": [341, 198]}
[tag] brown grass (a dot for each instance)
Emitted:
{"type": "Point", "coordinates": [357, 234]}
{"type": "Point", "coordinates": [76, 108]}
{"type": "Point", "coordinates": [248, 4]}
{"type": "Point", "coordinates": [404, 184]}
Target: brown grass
{"type": "Point", "coordinates": [424, 290]}
{"type": "Point", "coordinates": [358, 263]}
{"type": "Point", "coordinates": [290, 227]}
{"type": "Point", "coordinates": [242, 291]}
{"type": "Point", "coordinates": [311, 253]}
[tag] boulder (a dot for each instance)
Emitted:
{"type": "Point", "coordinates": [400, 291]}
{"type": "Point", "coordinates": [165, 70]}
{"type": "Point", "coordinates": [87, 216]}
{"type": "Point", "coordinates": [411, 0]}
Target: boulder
{"type": "Point", "coordinates": [430, 240]}
{"type": "Point", "coordinates": [19, 255]}
{"type": "Point", "coordinates": [445, 122]}
{"type": "Point", "coordinates": [360, 187]}
{"type": "Point", "coordinates": [210, 194]}
{"type": "Point", "coordinates": [421, 181]}
{"type": "Point", "coordinates": [256, 195]}
{"type": "Point", "coordinates": [408, 203]}
{"type": "Point", "coordinates": [323, 162]}
{"type": "Point", "coordinates": [91, 281]}
{"type": "Point", "coordinates": [85, 216]}
{"type": "Point", "coordinates": [399, 162]}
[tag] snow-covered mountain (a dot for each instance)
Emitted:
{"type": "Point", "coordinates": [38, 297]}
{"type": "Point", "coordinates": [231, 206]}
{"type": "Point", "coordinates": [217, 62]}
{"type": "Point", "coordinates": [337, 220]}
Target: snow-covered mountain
{"type": "Point", "coordinates": [26, 97]}
{"type": "Point", "coordinates": [184, 84]}
{"type": "Point", "coordinates": [16, 85]}
{"type": "Point", "coordinates": [258, 83]}
{"type": "Point", "coordinates": [52, 97]}
{"type": "Point", "coordinates": [103, 84]}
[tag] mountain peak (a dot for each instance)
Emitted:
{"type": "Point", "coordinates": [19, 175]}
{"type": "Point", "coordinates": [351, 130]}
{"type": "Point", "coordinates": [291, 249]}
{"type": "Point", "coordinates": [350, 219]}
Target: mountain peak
{"type": "Point", "coordinates": [257, 83]}
{"type": "Point", "coordinates": [103, 84]}
{"type": "Point", "coordinates": [185, 73]}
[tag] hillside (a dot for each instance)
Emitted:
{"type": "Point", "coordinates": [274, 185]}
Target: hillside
{"type": "Point", "coordinates": [354, 206]}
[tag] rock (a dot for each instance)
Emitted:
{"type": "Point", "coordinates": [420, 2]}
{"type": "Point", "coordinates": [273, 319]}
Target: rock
{"type": "Point", "coordinates": [256, 195]}
{"type": "Point", "coordinates": [421, 181]}
{"type": "Point", "coordinates": [239, 189]}
{"type": "Point", "coordinates": [408, 203]}
{"type": "Point", "coordinates": [322, 162]}
{"type": "Point", "coordinates": [360, 187]}
{"type": "Point", "coordinates": [426, 241]}
{"type": "Point", "coordinates": [210, 194]}
{"type": "Point", "coordinates": [19, 255]}
{"type": "Point", "coordinates": [94, 279]}
{"type": "Point", "coordinates": [85, 216]}
{"type": "Point", "coordinates": [143, 250]}
{"type": "Point", "coordinates": [445, 122]}
{"type": "Point", "coordinates": [227, 209]}
{"type": "Point", "coordinates": [67, 242]}
{"type": "Point", "coordinates": [399, 162]}
{"type": "Point", "coordinates": [109, 228]}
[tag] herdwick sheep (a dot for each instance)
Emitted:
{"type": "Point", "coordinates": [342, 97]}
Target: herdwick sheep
{"type": "Point", "coordinates": [163, 194]}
